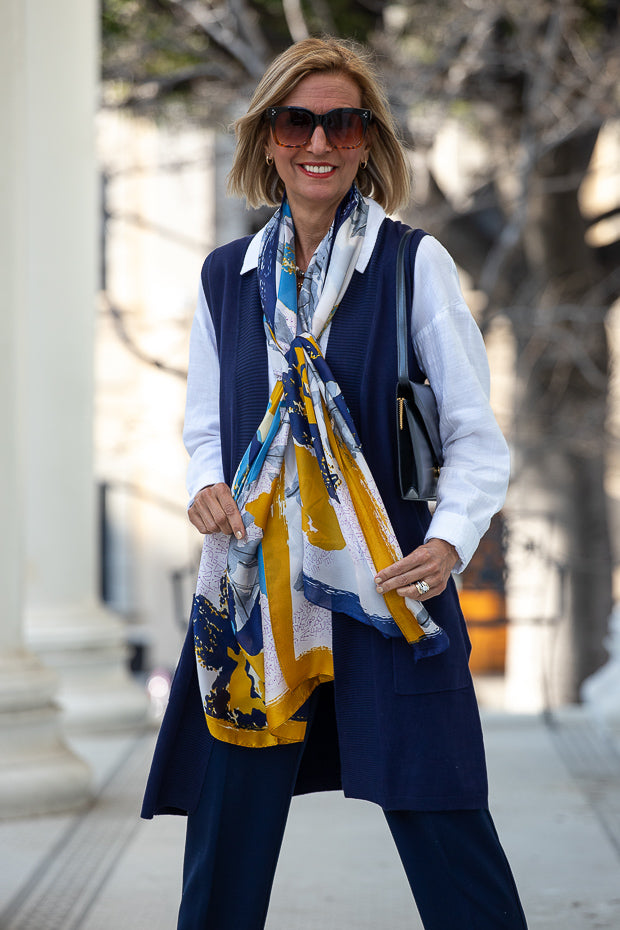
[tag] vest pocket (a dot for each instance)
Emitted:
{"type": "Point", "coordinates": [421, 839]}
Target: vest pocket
{"type": "Point", "coordinates": [447, 671]}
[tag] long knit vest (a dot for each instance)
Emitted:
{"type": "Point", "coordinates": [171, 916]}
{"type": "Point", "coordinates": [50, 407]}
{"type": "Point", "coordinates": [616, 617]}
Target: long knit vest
{"type": "Point", "coordinates": [408, 734]}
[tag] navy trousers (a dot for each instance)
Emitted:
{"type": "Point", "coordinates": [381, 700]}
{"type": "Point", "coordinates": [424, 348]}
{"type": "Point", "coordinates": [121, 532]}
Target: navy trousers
{"type": "Point", "coordinates": [456, 867]}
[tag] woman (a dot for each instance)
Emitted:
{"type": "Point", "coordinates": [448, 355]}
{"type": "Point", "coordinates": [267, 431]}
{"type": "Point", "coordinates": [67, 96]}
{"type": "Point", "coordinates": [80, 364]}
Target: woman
{"type": "Point", "coordinates": [311, 662]}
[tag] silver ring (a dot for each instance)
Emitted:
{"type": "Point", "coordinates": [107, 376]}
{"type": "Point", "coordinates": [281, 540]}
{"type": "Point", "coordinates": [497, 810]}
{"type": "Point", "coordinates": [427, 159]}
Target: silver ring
{"type": "Point", "coordinates": [422, 587]}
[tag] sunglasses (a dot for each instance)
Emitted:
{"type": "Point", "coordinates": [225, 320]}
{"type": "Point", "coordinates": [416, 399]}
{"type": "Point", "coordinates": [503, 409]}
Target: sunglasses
{"type": "Point", "coordinates": [293, 127]}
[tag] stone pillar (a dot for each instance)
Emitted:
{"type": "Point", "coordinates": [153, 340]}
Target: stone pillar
{"type": "Point", "coordinates": [38, 773]}
{"type": "Point", "coordinates": [536, 596]}
{"type": "Point", "coordinates": [65, 624]}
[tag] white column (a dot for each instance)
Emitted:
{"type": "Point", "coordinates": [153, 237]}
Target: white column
{"type": "Point", "coordinates": [536, 596]}
{"type": "Point", "coordinates": [65, 623]}
{"type": "Point", "coordinates": [38, 773]}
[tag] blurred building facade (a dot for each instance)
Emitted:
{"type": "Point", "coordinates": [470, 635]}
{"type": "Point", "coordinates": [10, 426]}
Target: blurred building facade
{"type": "Point", "coordinates": [62, 655]}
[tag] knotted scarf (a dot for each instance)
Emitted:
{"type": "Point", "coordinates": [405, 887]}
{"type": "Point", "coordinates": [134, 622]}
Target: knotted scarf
{"type": "Point", "coordinates": [317, 530]}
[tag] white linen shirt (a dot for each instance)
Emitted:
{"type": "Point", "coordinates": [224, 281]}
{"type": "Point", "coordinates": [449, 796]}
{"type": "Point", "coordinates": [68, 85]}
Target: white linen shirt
{"type": "Point", "coordinates": [449, 348]}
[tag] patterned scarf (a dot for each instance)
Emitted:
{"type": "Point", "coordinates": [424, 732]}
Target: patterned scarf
{"type": "Point", "coordinates": [317, 530]}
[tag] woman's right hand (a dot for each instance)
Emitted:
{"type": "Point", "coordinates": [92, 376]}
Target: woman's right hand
{"type": "Point", "coordinates": [214, 511]}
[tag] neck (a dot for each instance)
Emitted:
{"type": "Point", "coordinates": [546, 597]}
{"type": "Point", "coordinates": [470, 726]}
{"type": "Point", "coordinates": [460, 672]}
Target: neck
{"type": "Point", "coordinates": [311, 227]}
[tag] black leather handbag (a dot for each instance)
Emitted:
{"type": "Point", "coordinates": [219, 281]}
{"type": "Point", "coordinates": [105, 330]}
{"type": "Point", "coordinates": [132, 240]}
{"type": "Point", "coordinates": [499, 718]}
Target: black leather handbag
{"type": "Point", "coordinates": [420, 453]}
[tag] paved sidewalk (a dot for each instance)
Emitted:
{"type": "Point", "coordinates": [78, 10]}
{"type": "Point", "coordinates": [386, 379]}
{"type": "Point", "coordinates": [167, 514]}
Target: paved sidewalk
{"type": "Point", "coordinates": [555, 799]}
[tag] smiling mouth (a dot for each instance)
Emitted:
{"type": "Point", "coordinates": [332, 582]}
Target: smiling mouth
{"type": "Point", "coordinates": [318, 170]}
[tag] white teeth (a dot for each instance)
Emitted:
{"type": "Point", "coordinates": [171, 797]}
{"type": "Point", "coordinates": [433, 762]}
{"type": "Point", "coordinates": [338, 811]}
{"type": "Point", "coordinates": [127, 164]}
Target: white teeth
{"type": "Point", "coordinates": [318, 169]}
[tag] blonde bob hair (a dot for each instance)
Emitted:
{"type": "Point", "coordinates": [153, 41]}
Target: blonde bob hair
{"type": "Point", "coordinates": [386, 178]}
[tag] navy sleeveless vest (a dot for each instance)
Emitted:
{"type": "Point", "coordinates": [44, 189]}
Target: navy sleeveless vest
{"type": "Point", "coordinates": [409, 737]}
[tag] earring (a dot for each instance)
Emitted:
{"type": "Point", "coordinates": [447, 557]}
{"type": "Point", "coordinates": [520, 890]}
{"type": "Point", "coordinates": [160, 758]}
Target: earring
{"type": "Point", "coordinates": [269, 159]}
{"type": "Point", "coordinates": [363, 163]}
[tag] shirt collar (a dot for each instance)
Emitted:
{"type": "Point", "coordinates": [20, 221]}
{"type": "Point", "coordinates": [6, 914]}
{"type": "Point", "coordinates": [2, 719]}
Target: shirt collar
{"type": "Point", "coordinates": [376, 215]}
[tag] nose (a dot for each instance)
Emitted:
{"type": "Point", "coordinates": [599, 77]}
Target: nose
{"type": "Point", "coordinates": [318, 141]}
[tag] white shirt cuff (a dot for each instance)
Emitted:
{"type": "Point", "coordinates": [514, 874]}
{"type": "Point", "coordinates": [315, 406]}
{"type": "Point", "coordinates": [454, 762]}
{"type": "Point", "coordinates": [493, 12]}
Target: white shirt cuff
{"type": "Point", "coordinates": [200, 482]}
{"type": "Point", "coordinates": [459, 532]}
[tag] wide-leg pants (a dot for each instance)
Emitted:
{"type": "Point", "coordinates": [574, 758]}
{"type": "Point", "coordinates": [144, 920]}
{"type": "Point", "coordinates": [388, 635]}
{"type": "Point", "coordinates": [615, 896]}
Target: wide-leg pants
{"type": "Point", "coordinates": [456, 867]}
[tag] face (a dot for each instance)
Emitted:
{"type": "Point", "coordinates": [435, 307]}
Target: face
{"type": "Point", "coordinates": [316, 174]}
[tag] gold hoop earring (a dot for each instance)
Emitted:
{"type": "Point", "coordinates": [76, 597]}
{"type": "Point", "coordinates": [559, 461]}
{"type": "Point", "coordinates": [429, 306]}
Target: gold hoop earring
{"type": "Point", "coordinates": [269, 159]}
{"type": "Point", "coordinates": [363, 164]}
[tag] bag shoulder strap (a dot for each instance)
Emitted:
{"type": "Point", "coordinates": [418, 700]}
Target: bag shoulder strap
{"type": "Point", "coordinates": [413, 236]}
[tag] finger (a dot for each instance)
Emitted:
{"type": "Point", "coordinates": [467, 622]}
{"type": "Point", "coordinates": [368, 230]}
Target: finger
{"type": "Point", "coordinates": [234, 518]}
{"type": "Point", "coordinates": [414, 595]}
{"type": "Point", "coordinates": [195, 519]}
{"type": "Point", "coordinates": [436, 583]}
{"type": "Point", "coordinates": [200, 520]}
{"type": "Point", "coordinates": [427, 573]}
{"type": "Point", "coordinates": [417, 585]}
{"type": "Point", "coordinates": [404, 573]}
{"type": "Point", "coordinates": [412, 562]}
{"type": "Point", "coordinates": [200, 511]}
{"type": "Point", "coordinates": [419, 594]}
{"type": "Point", "coordinates": [434, 559]}
{"type": "Point", "coordinates": [217, 510]}
{"type": "Point", "coordinates": [226, 513]}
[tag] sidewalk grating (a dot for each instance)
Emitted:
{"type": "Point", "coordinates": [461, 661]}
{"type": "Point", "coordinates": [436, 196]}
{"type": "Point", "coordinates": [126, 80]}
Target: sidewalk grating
{"type": "Point", "coordinates": [593, 760]}
{"type": "Point", "coordinates": [69, 880]}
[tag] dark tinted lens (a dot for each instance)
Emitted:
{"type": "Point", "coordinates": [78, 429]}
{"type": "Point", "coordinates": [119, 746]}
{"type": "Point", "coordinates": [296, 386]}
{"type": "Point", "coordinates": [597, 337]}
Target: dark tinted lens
{"type": "Point", "coordinates": [292, 127]}
{"type": "Point", "coordinates": [344, 130]}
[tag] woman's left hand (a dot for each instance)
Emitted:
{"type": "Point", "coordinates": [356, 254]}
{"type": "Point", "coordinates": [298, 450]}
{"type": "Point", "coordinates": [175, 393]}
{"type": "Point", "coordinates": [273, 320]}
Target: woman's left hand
{"type": "Point", "coordinates": [430, 565]}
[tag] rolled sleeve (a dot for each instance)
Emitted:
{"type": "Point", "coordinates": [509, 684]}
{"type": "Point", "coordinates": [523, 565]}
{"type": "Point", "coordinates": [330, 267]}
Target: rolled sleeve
{"type": "Point", "coordinates": [450, 349]}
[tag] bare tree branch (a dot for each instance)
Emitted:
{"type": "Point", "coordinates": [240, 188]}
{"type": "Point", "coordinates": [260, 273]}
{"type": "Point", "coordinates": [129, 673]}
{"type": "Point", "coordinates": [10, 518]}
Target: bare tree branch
{"type": "Point", "coordinates": [295, 21]}
{"type": "Point", "coordinates": [212, 22]}
{"type": "Point", "coordinates": [118, 318]}
{"type": "Point", "coordinates": [248, 24]}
